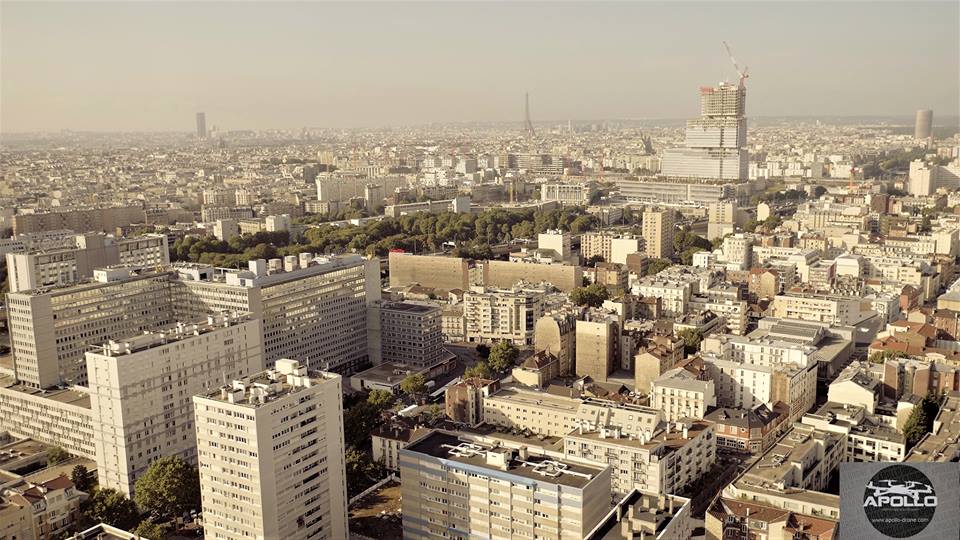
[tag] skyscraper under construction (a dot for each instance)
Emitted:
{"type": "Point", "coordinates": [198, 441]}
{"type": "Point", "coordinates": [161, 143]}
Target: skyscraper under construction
{"type": "Point", "coordinates": [715, 145]}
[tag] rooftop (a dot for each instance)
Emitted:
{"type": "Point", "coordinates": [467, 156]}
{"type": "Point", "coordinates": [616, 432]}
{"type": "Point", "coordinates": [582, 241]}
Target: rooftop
{"type": "Point", "coordinates": [500, 460]}
{"type": "Point", "coordinates": [181, 331]}
{"type": "Point", "coordinates": [60, 395]}
{"type": "Point", "coordinates": [287, 378]}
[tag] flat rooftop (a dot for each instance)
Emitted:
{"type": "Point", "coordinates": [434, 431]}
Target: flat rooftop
{"type": "Point", "coordinates": [409, 307]}
{"type": "Point", "coordinates": [60, 395]}
{"type": "Point", "coordinates": [793, 448]}
{"type": "Point", "coordinates": [541, 469]}
{"type": "Point", "coordinates": [158, 338]}
{"type": "Point", "coordinates": [944, 444]}
{"type": "Point", "coordinates": [531, 397]}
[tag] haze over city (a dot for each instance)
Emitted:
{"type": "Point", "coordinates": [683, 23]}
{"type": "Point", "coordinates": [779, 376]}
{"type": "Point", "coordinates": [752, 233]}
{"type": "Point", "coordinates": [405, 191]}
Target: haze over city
{"type": "Point", "coordinates": [149, 66]}
{"type": "Point", "coordinates": [451, 271]}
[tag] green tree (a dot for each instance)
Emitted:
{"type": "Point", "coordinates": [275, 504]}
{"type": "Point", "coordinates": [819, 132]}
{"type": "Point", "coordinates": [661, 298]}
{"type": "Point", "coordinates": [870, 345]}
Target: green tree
{"type": "Point", "coordinates": [434, 413]}
{"type": "Point", "coordinates": [358, 421]}
{"type": "Point", "coordinates": [691, 340]}
{"type": "Point", "coordinates": [920, 421]}
{"type": "Point", "coordinates": [480, 370]}
{"type": "Point", "coordinates": [381, 399]}
{"type": "Point", "coordinates": [82, 478]}
{"type": "Point", "coordinates": [149, 530]}
{"type": "Point", "coordinates": [414, 384]}
{"type": "Point", "coordinates": [111, 507]}
{"type": "Point", "coordinates": [483, 350]}
{"type": "Point", "coordinates": [880, 357]}
{"type": "Point", "coordinates": [592, 295]}
{"type": "Point", "coordinates": [686, 257]}
{"type": "Point", "coordinates": [655, 266]}
{"type": "Point", "coordinates": [502, 356]}
{"type": "Point", "coordinates": [57, 455]}
{"type": "Point", "coordinates": [362, 472]}
{"type": "Point", "coordinates": [170, 487]}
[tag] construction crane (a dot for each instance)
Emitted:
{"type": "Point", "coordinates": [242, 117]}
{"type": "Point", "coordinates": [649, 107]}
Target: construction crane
{"type": "Point", "coordinates": [742, 72]}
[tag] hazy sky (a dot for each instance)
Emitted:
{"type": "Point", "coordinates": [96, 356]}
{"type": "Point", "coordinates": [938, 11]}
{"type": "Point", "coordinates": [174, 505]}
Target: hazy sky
{"type": "Point", "coordinates": [151, 66]}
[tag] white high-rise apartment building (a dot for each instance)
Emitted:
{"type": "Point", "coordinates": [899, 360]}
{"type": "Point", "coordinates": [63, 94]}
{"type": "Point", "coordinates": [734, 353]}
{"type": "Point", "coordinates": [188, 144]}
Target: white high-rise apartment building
{"type": "Point", "coordinates": [316, 310]}
{"type": "Point", "coordinates": [271, 456]}
{"type": "Point", "coordinates": [50, 330]}
{"type": "Point", "coordinates": [459, 489]}
{"type": "Point", "coordinates": [658, 232]}
{"type": "Point", "coordinates": [715, 145]}
{"type": "Point", "coordinates": [141, 390]}
{"type": "Point", "coordinates": [46, 267]}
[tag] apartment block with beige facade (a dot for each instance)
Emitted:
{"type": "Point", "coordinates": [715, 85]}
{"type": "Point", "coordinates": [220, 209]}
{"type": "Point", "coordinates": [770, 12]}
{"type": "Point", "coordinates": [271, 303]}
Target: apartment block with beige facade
{"type": "Point", "coordinates": [492, 315]}
{"type": "Point", "coordinates": [48, 267]}
{"type": "Point", "coordinates": [661, 461]}
{"type": "Point", "coordinates": [105, 219]}
{"type": "Point", "coordinates": [56, 417]}
{"type": "Point", "coordinates": [658, 232]}
{"type": "Point", "coordinates": [271, 456]}
{"type": "Point", "coordinates": [141, 390]}
{"type": "Point", "coordinates": [460, 489]}
{"type": "Point", "coordinates": [555, 333]}
{"type": "Point", "coordinates": [311, 307]}
{"type": "Point", "coordinates": [50, 330]}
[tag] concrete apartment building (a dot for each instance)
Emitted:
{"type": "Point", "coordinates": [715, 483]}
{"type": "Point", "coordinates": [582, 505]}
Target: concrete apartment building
{"type": "Point", "coordinates": [50, 330]}
{"type": "Point", "coordinates": [492, 315]}
{"type": "Point", "coordinates": [271, 456]}
{"type": "Point", "coordinates": [610, 247]}
{"type": "Point", "coordinates": [685, 391]}
{"type": "Point", "coordinates": [551, 415]}
{"type": "Point", "coordinates": [79, 219]}
{"type": "Point", "coordinates": [657, 230]}
{"type": "Point", "coordinates": [408, 333]}
{"type": "Point", "coordinates": [558, 242]}
{"type": "Point", "coordinates": [312, 307]}
{"type": "Point", "coordinates": [597, 345]}
{"type": "Point", "coordinates": [803, 459]}
{"type": "Point", "coordinates": [455, 488]}
{"type": "Point", "coordinates": [555, 333]}
{"type": "Point", "coordinates": [743, 385]}
{"type": "Point", "coordinates": [660, 354]}
{"type": "Point", "coordinates": [144, 382]}
{"type": "Point", "coordinates": [51, 267]}
{"type": "Point", "coordinates": [640, 515]}
{"type": "Point", "coordinates": [826, 309]}
{"type": "Point", "coordinates": [657, 461]}
{"type": "Point", "coordinates": [870, 438]}
{"type": "Point", "coordinates": [56, 417]}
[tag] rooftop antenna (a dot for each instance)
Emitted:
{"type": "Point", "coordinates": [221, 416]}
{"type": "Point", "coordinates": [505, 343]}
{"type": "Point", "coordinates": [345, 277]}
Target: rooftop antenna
{"type": "Point", "coordinates": [527, 124]}
{"type": "Point", "coordinates": [742, 72]}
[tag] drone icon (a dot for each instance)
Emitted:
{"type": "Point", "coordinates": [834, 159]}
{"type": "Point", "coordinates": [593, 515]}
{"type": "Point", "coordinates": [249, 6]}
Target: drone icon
{"type": "Point", "coordinates": [908, 489]}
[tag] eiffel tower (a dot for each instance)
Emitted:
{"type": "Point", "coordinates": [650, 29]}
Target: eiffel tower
{"type": "Point", "coordinates": [527, 124]}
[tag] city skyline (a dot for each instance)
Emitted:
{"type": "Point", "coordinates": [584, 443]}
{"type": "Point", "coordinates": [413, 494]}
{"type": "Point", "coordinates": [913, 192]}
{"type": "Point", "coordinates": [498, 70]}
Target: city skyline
{"type": "Point", "coordinates": [262, 66]}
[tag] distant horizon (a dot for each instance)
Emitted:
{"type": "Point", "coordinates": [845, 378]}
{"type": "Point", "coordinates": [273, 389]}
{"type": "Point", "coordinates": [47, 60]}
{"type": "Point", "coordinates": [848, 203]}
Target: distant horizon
{"type": "Point", "coordinates": [950, 121]}
{"type": "Point", "coordinates": [149, 67]}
